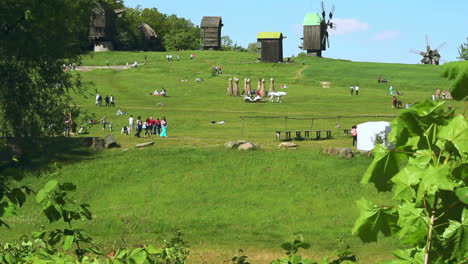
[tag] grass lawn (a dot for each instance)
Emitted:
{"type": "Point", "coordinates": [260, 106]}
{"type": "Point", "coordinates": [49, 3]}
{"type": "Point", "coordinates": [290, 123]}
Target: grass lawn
{"type": "Point", "coordinates": [226, 200]}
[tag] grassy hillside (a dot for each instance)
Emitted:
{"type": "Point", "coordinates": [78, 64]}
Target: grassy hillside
{"type": "Point", "coordinates": [225, 200]}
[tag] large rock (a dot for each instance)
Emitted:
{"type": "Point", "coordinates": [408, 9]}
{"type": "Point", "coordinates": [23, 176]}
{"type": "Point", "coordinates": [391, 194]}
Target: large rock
{"type": "Point", "coordinates": [346, 153]}
{"type": "Point", "coordinates": [248, 146]}
{"type": "Point", "coordinates": [233, 144]}
{"type": "Point", "coordinates": [97, 144]}
{"type": "Point", "coordinates": [109, 142]}
{"type": "Point", "coordinates": [287, 145]}
{"type": "Point", "coordinates": [146, 144]}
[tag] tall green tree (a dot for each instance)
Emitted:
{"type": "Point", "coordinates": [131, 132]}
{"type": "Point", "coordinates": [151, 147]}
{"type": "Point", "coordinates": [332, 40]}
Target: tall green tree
{"type": "Point", "coordinates": [36, 38]}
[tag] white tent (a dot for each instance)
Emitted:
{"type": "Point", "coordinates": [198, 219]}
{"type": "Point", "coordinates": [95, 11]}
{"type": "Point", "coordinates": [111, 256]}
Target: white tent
{"type": "Point", "coordinates": [369, 132]}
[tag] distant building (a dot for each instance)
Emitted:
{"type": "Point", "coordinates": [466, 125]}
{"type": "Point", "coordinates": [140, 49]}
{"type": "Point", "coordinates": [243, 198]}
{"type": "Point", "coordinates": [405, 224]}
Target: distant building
{"type": "Point", "coordinates": [271, 46]}
{"type": "Point", "coordinates": [211, 32]}
{"type": "Point", "coordinates": [102, 32]}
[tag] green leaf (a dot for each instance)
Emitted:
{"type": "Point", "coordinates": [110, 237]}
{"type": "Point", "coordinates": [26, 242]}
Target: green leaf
{"type": "Point", "coordinates": [384, 166]}
{"type": "Point", "coordinates": [413, 224]}
{"type": "Point", "coordinates": [421, 158]}
{"type": "Point", "coordinates": [16, 196]}
{"type": "Point", "coordinates": [85, 211]}
{"type": "Point", "coordinates": [50, 186]}
{"type": "Point", "coordinates": [152, 250]}
{"type": "Point", "coordinates": [455, 239]}
{"type": "Point", "coordinates": [373, 219]}
{"type": "Point", "coordinates": [428, 107]}
{"type": "Point", "coordinates": [436, 178]}
{"type": "Point", "coordinates": [405, 181]}
{"type": "Point", "coordinates": [40, 196]}
{"type": "Point", "coordinates": [52, 213]}
{"type": "Point", "coordinates": [137, 256]}
{"type": "Point", "coordinates": [462, 194]}
{"type": "Point", "coordinates": [7, 209]}
{"type": "Point", "coordinates": [68, 241]}
{"type": "Point", "coordinates": [457, 132]}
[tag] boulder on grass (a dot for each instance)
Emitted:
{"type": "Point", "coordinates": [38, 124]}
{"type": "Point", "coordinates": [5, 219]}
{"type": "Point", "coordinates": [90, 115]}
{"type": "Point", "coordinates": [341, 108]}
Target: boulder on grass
{"type": "Point", "coordinates": [146, 144]}
{"type": "Point", "coordinates": [234, 144]}
{"type": "Point", "coordinates": [248, 146]}
{"type": "Point", "coordinates": [97, 144]}
{"type": "Point", "coordinates": [346, 153]}
{"type": "Point", "coordinates": [109, 142]}
{"type": "Point", "coordinates": [287, 145]}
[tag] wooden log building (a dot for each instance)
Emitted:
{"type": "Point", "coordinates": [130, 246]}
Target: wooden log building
{"type": "Point", "coordinates": [314, 31]}
{"type": "Point", "coordinates": [271, 46]}
{"type": "Point", "coordinates": [211, 32]}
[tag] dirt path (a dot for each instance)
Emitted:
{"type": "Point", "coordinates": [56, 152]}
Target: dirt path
{"type": "Point", "coordinates": [90, 68]}
{"type": "Point", "coordinates": [298, 74]}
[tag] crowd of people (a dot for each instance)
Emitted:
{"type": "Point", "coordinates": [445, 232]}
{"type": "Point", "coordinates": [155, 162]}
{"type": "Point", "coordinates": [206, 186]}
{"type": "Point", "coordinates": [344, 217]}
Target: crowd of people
{"type": "Point", "coordinates": [110, 100]}
{"type": "Point", "coordinates": [150, 126]}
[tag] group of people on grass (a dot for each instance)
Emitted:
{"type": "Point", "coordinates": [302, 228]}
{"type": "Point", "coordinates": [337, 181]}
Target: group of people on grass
{"type": "Point", "coordinates": [150, 125]}
{"type": "Point", "coordinates": [353, 89]}
{"type": "Point", "coordinates": [162, 92]}
{"type": "Point", "coordinates": [110, 100]}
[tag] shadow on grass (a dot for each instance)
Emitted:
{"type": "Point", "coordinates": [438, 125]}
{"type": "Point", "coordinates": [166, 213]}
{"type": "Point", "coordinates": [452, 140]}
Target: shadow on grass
{"type": "Point", "coordinates": [40, 155]}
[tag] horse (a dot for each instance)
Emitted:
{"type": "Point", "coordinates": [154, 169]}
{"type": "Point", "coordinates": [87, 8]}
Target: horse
{"type": "Point", "coordinates": [276, 95]}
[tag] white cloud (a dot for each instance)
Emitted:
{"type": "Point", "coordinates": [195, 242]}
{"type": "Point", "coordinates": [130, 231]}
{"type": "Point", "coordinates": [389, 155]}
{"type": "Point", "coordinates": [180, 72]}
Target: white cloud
{"type": "Point", "coordinates": [346, 26]}
{"type": "Point", "coordinates": [387, 34]}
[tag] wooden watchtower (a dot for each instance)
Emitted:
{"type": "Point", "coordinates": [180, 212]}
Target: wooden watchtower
{"type": "Point", "coordinates": [314, 32]}
{"type": "Point", "coordinates": [211, 32]}
{"type": "Point", "coordinates": [271, 46]}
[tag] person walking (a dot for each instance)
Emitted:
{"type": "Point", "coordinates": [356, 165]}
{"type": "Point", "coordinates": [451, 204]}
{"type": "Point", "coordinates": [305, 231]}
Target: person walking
{"type": "Point", "coordinates": [354, 134]}
{"type": "Point", "coordinates": [356, 88]}
{"type": "Point", "coordinates": [139, 126]}
{"type": "Point", "coordinates": [351, 89]}
{"type": "Point", "coordinates": [107, 99]}
{"type": "Point", "coordinates": [163, 127]}
{"type": "Point", "coordinates": [104, 122]}
{"type": "Point", "coordinates": [157, 129]}
{"type": "Point", "coordinates": [112, 100]}
{"type": "Point", "coordinates": [130, 124]}
{"type": "Point", "coordinates": [147, 127]}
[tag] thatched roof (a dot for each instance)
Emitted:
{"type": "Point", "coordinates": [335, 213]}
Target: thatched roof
{"type": "Point", "coordinates": [211, 21]}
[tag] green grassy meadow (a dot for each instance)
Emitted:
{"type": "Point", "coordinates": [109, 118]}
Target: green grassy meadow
{"type": "Point", "coordinates": [225, 200]}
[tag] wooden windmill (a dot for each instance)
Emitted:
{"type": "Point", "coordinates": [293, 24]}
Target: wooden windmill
{"type": "Point", "coordinates": [315, 38]}
{"type": "Point", "coordinates": [430, 56]}
{"type": "Point", "coordinates": [211, 32]}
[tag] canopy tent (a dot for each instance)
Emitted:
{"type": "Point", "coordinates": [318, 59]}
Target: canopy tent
{"type": "Point", "coordinates": [370, 133]}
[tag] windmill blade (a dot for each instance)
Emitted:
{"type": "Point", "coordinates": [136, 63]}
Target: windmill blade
{"type": "Point", "coordinates": [332, 12]}
{"type": "Point", "coordinates": [415, 51]}
{"type": "Point", "coordinates": [441, 46]}
{"type": "Point", "coordinates": [323, 10]}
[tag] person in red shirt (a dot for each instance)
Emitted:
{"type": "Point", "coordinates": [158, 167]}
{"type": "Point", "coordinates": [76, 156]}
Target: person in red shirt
{"type": "Point", "coordinates": [157, 126]}
{"type": "Point", "coordinates": [152, 124]}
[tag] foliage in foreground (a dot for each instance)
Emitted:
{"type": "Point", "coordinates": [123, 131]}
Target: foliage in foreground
{"type": "Point", "coordinates": [427, 169]}
{"type": "Point", "coordinates": [35, 92]}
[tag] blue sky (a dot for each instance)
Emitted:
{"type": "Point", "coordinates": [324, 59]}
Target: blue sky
{"type": "Point", "coordinates": [367, 30]}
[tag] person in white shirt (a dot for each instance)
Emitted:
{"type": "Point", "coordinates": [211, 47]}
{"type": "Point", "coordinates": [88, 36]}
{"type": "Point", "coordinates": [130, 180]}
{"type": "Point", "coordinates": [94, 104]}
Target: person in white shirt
{"type": "Point", "coordinates": [356, 88]}
{"type": "Point", "coordinates": [130, 124]}
{"type": "Point", "coordinates": [351, 89]}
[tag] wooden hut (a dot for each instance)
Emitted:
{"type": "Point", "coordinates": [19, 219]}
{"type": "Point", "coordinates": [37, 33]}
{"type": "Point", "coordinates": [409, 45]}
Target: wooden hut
{"type": "Point", "coordinates": [102, 31]}
{"type": "Point", "coordinates": [211, 32]}
{"type": "Point", "coordinates": [314, 31]}
{"type": "Point", "coordinates": [271, 46]}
